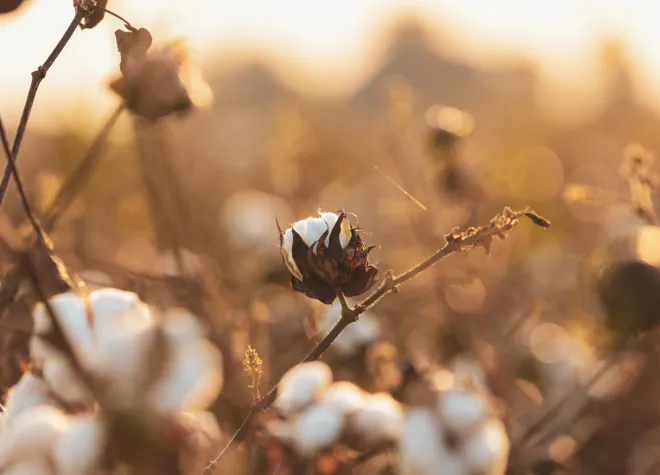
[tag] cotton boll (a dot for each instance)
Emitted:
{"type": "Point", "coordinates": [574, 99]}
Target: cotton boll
{"type": "Point", "coordinates": [317, 428]}
{"type": "Point", "coordinates": [71, 313]}
{"type": "Point", "coordinates": [32, 434]}
{"type": "Point", "coordinates": [30, 391]}
{"type": "Point", "coordinates": [79, 451]}
{"type": "Point", "coordinates": [422, 449]}
{"type": "Point", "coordinates": [301, 386]}
{"type": "Point", "coordinates": [487, 452]}
{"type": "Point", "coordinates": [121, 354]}
{"type": "Point", "coordinates": [192, 381]}
{"type": "Point", "coordinates": [181, 327]}
{"type": "Point", "coordinates": [462, 411]}
{"type": "Point", "coordinates": [64, 382]}
{"type": "Point", "coordinates": [311, 230]}
{"type": "Point", "coordinates": [379, 421]}
{"type": "Point", "coordinates": [31, 466]}
{"type": "Point", "coordinates": [108, 304]}
{"type": "Point", "coordinates": [347, 397]}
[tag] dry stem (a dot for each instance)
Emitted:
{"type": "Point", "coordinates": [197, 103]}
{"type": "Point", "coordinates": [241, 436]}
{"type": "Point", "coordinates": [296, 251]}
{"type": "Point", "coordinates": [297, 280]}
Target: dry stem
{"type": "Point", "coordinates": [38, 75]}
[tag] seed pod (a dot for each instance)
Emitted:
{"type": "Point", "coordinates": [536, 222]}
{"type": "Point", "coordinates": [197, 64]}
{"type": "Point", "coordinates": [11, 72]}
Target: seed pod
{"type": "Point", "coordinates": [325, 257]}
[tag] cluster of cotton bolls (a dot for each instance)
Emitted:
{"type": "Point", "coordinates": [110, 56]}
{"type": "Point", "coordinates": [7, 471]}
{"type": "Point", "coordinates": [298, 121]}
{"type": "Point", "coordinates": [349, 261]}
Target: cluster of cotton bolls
{"type": "Point", "coordinates": [356, 336]}
{"type": "Point", "coordinates": [53, 423]}
{"type": "Point", "coordinates": [315, 413]}
{"type": "Point", "coordinates": [453, 430]}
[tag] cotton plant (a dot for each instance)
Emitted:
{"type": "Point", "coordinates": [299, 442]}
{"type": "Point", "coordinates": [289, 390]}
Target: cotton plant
{"type": "Point", "coordinates": [316, 414]}
{"type": "Point", "coordinates": [453, 430]}
{"type": "Point", "coordinates": [154, 374]}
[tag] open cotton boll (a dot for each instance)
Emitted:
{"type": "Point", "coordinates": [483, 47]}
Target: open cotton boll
{"type": "Point", "coordinates": [181, 327]}
{"type": "Point", "coordinates": [359, 334]}
{"type": "Point", "coordinates": [311, 230]}
{"type": "Point", "coordinates": [462, 411]}
{"type": "Point", "coordinates": [487, 451]}
{"type": "Point", "coordinates": [31, 466]}
{"type": "Point", "coordinates": [192, 380]}
{"type": "Point", "coordinates": [301, 386]}
{"type": "Point", "coordinates": [30, 391]}
{"type": "Point", "coordinates": [421, 447]}
{"type": "Point", "coordinates": [379, 421]}
{"type": "Point", "coordinates": [63, 381]}
{"type": "Point", "coordinates": [317, 428]}
{"type": "Point", "coordinates": [107, 304]}
{"type": "Point", "coordinates": [71, 313]}
{"type": "Point", "coordinates": [32, 434]}
{"type": "Point", "coordinates": [79, 450]}
{"type": "Point", "coordinates": [121, 355]}
{"type": "Point", "coordinates": [347, 397]}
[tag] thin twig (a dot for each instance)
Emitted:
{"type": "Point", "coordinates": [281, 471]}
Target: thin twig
{"type": "Point", "coordinates": [127, 24]}
{"type": "Point", "coordinates": [19, 184]}
{"type": "Point", "coordinates": [455, 242]}
{"type": "Point", "coordinates": [37, 76]}
{"type": "Point", "coordinates": [548, 415]}
{"type": "Point", "coordinates": [58, 335]}
{"type": "Point", "coordinates": [81, 174]}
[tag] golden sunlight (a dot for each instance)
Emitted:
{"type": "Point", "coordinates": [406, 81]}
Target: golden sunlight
{"type": "Point", "coordinates": [330, 48]}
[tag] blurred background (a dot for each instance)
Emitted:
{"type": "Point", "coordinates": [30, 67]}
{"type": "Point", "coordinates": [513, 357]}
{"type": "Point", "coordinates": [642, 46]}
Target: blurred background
{"type": "Point", "coordinates": [417, 116]}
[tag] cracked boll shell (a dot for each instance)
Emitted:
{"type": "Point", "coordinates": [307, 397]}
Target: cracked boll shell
{"type": "Point", "coordinates": [325, 257]}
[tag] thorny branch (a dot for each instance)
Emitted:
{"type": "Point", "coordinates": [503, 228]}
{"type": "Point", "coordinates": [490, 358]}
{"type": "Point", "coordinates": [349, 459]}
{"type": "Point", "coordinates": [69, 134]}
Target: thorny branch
{"type": "Point", "coordinates": [456, 241]}
{"type": "Point", "coordinates": [38, 75]}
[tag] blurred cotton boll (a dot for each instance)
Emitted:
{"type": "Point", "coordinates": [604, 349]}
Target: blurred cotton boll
{"type": "Point", "coordinates": [355, 336]}
{"type": "Point", "coordinates": [346, 396]}
{"type": "Point", "coordinates": [317, 428]}
{"type": "Point", "coordinates": [422, 451]}
{"type": "Point", "coordinates": [248, 217]}
{"type": "Point", "coordinates": [79, 451]}
{"type": "Point", "coordinates": [30, 391]}
{"type": "Point", "coordinates": [33, 434]}
{"type": "Point", "coordinates": [462, 411]}
{"type": "Point", "coordinates": [301, 386]}
{"type": "Point", "coordinates": [379, 421]}
{"type": "Point", "coordinates": [458, 434]}
{"type": "Point", "coordinates": [160, 366]}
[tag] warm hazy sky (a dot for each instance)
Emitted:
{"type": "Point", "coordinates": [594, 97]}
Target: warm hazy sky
{"type": "Point", "coordinates": [332, 42]}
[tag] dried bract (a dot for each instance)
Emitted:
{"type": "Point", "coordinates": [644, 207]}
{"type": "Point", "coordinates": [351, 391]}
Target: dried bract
{"type": "Point", "coordinates": [158, 83]}
{"type": "Point", "coordinates": [325, 257]}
